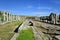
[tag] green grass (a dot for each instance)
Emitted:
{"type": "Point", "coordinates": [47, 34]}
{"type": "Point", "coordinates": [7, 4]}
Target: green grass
{"type": "Point", "coordinates": [7, 30]}
{"type": "Point", "coordinates": [26, 35]}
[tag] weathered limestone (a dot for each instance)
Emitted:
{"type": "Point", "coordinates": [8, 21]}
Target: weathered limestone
{"type": "Point", "coordinates": [37, 18]}
{"type": "Point", "coordinates": [4, 16]}
{"type": "Point", "coordinates": [59, 17]}
{"type": "Point", "coordinates": [13, 17]}
{"type": "Point", "coordinates": [54, 18]}
{"type": "Point", "coordinates": [9, 17]}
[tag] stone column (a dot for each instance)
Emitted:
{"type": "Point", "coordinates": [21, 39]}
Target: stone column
{"type": "Point", "coordinates": [4, 16]}
{"type": "Point", "coordinates": [16, 18]}
{"type": "Point", "coordinates": [56, 18]}
{"type": "Point", "coordinates": [19, 17]}
{"type": "Point", "coordinates": [11, 17]}
{"type": "Point", "coordinates": [7, 16]}
{"type": "Point", "coordinates": [53, 19]}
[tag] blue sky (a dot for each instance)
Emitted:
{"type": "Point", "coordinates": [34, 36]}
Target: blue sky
{"type": "Point", "coordinates": [30, 7]}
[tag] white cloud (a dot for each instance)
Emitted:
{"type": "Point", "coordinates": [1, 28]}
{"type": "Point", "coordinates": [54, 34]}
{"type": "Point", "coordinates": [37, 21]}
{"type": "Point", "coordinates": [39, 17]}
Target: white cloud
{"type": "Point", "coordinates": [41, 13]}
{"type": "Point", "coordinates": [55, 1]}
{"type": "Point", "coordinates": [44, 8]}
{"type": "Point", "coordinates": [29, 6]}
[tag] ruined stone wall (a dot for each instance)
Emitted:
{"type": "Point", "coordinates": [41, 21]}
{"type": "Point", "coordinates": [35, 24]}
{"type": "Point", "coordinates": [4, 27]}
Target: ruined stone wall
{"type": "Point", "coordinates": [54, 18]}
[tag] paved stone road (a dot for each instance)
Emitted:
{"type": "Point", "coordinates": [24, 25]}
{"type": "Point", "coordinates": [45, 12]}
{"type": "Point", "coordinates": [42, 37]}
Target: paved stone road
{"type": "Point", "coordinates": [45, 25]}
{"type": "Point", "coordinates": [38, 34]}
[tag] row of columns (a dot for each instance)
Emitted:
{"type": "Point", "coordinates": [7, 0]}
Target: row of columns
{"type": "Point", "coordinates": [9, 17]}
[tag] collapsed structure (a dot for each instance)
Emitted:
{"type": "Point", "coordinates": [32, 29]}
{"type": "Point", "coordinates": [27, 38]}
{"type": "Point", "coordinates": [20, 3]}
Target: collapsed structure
{"type": "Point", "coordinates": [52, 18]}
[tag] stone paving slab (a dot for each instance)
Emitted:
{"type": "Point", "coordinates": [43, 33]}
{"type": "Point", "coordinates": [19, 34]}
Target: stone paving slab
{"type": "Point", "coordinates": [36, 34]}
{"type": "Point", "coordinates": [16, 34]}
